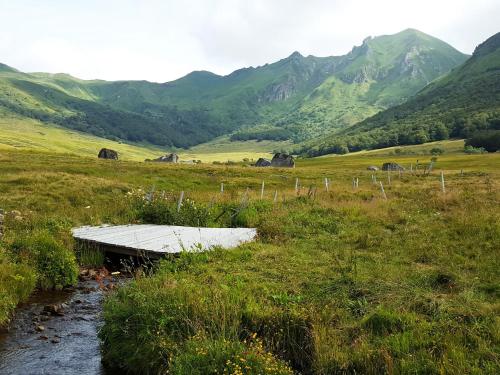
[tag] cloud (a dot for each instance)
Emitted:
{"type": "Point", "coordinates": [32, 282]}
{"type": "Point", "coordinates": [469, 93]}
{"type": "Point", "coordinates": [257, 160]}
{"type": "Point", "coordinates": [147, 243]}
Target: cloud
{"type": "Point", "coordinates": [163, 40]}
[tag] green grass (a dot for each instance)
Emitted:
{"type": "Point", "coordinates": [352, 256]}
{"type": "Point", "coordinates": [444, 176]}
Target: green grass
{"type": "Point", "coordinates": [32, 135]}
{"type": "Point", "coordinates": [344, 283]}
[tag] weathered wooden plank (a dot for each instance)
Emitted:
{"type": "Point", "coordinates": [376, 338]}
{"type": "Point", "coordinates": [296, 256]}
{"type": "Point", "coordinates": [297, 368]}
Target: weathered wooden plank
{"type": "Point", "coordinates": [162, 239]}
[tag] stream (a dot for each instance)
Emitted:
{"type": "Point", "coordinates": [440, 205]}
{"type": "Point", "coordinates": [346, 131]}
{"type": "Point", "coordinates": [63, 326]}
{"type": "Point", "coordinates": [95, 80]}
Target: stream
{"type": "Point", "coordinates": [56, 333]}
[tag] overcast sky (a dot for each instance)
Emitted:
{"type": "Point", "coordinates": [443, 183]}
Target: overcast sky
{"type": "Point", "coordinates": [163, 40]}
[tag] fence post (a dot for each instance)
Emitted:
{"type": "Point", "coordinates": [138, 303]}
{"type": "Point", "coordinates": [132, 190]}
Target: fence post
{"type": "Point", "coordinates": [327, 185]}
{"type": "Point", "coordinates": [297, 185]}
{"type": "Point", "coordinates": [383, 191]}
{"type": "Point", "coordinates": [1, 223]}
{"type": "Point", "coordinates": [179, 203]}
{"type": "Point", "coordinates": [222, 187]}
{"type": "Point", "coordinates": [275, 196]}
{"type": "Point", "coordinates": [442, 183]}
{"type": "Point", "coordinates": [262, 190]}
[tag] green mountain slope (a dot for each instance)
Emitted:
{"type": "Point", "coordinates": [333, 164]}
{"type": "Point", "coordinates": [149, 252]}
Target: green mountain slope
{"type": "Point", "coordinates": [382, 72]}
{"type": "Point", "coordinates": [295, 98]}
{"type": "Point", "coordinates": [465, 100]}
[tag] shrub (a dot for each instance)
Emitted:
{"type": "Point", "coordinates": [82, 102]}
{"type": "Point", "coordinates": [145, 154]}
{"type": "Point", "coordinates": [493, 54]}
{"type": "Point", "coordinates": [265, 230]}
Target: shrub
{"type": "Point", "coordinates": [55, 264]}
{"type": "Point", "coordinates": [17, 281]}
{"type": "Point", "coordinates": [157, 209]}
{"type": "Point", "coordinates": [488, 139]}
{"type": "Point", "coordinates": [437, 151]}
{"type": "Point", "coordinates": [474, 150]}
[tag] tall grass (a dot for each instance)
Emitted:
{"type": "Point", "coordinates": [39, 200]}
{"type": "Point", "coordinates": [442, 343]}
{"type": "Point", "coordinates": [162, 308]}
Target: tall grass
{"type": "Point", "coordinates": [343, 282]}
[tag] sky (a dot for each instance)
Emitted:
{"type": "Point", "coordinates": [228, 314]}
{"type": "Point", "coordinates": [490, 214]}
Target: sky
{"type": "Point", "coordinates": [160, 41]}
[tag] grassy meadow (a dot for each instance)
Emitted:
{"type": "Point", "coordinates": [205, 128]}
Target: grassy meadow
{"type": "Point", "coordinates": [32, 135]}
{"type": "Point", "coordinates": [338, 282]}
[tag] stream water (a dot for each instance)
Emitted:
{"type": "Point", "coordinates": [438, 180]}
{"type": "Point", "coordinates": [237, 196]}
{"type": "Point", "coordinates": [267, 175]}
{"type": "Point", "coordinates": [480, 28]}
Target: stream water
{"type": "Point", "coordinates": [55, 333]}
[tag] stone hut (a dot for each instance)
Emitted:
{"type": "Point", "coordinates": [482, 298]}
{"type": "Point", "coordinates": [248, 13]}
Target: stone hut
{"type": "Point", "coordinates": [107, 153]}
{"type": "Point", "coordinates": [169, 158]}
{"type": "Point", "coordinates": [392, 167]}
{"type": "Point", "coordinates": [262, 162]}
{"type": "Point", "coordinates": [281, 160]}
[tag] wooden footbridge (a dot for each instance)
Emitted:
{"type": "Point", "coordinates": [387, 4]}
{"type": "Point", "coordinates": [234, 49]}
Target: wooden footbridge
{"type": "Point", "coordinates": [156, 241]}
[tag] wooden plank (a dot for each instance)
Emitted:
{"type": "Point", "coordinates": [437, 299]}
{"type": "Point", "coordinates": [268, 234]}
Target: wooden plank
{"type": "Point", "coordinates": [162, 239]}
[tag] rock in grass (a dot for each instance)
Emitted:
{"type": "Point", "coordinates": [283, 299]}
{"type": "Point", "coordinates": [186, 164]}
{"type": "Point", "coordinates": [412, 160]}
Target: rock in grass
{"type": "Point", "coordinates": [392, 167]}
{"type": "Point", "coordinates": [107, 153]}
{"type": "Point", "coordinates": [262, 162]}
{"type": "Point", "coordinates": [169, 158]}
{"type": "Point", "coordinates": [282, 160]}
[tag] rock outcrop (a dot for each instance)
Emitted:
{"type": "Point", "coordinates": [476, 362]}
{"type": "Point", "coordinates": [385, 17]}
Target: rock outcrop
{"type": "Point", "coordinates": [262, 162]}
{"type": "Point", "coordinates": [392, 167]}
{"type": "Point", "coordinates": [281, 160]}
{"type": "Point", "coordinates": [107, 153]}
{"type": "Point", "coordinates": [169, 158]}
{"type": "Point", "coordinates": [372, 168]}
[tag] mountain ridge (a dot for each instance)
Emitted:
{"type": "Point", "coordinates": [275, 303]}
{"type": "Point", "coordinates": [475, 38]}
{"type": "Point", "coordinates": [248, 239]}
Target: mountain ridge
{"type": "Point", "coordinates": [455, 105]}
{"type": "Point", "coordinates": [337, 90]}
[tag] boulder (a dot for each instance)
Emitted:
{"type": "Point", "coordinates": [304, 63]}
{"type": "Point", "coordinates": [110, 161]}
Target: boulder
{"type": "Point", "coordinates": [263, 163]}
{"type": "Point", "coordinates": [281, 160]}
{"type": "Point", "coordinates": [372, 168]}
{"type": "Point", "coordinates": [169, 158]}
{"type": "Point", "coordinates": [392, 167]}
{"type": "Point", "coordinates": [107, 153]}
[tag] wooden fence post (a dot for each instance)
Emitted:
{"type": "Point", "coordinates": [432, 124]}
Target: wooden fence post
{"type": "Point", "coordinates": [442, 183]}
{"type": "Point", "coordinates": [1, 223]}
{"type": "Point", "coordinates": [262, 190]}
{"type": "Point", "coordinates": [297, 185]}
{"type": "Point", "coordinates": [222, 187]}
{"type": "Point", "coordinates": [327, 184]}
{"type": "Point", "coordinates": [275, 196]}
{"type": "Point", "coordinates": [179, 203]}
{"type": "Point", "coordinates": [383, 191]}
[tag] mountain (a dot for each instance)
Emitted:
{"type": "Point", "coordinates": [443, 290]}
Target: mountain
{"type": "Point", "coordinates": [463, 101]}
{"type": "Point", "coordinates": [297, 97]}
{"type": "Point", "coordinates": [382, 72]}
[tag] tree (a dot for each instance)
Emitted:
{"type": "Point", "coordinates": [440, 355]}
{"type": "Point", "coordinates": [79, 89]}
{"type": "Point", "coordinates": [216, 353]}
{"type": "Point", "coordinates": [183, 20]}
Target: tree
{"type": "Point", "coordinates": [488, 139]}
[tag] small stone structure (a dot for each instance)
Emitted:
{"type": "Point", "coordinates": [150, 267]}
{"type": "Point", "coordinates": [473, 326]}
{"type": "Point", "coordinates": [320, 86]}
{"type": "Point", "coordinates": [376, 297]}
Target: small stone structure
{"type": "Point", "coordinates": [282, 160]}
{"type": "Point", "coordinates": [392, 167]}
{"type": "Point", "coordinates": [262, 162]}
{"type": "Point", "coordinates": [372, 168]}
{"type": "Point", "coordinates": [107, 153]}
{"type": "Point", "coordinates": [169, 158]}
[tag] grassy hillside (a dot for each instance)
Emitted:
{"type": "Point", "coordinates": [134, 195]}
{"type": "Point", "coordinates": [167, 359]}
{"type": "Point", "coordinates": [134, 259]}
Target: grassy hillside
{"type": "Point", "coordinates": [384, 71]}
{"type": "Point", "coordinates": [31, 135]}
{"type": "Point", "coordinates": [34, 136]}
{"type": "Point", "coordinates": [345, 282]}
{"type": "Point", "coordinates": [307, 96]}
{"type": "Point", "coordinates": [464, 101]}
